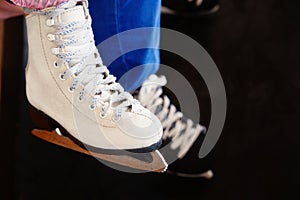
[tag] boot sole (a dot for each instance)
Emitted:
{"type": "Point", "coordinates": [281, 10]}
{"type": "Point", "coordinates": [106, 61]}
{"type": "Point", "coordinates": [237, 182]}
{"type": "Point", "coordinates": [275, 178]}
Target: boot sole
{"type": "Point", "coordinates": [43, 121]}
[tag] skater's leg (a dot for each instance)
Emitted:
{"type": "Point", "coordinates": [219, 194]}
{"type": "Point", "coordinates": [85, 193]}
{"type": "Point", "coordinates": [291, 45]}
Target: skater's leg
{"type": "Point", "coordinates": [38, 4]}
{"type": "Point", "coordinates": [115, 16]}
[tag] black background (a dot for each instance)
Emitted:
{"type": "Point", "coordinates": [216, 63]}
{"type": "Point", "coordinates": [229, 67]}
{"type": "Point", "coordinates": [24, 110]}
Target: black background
{"type": "Point", "coordinates": [255, 45]}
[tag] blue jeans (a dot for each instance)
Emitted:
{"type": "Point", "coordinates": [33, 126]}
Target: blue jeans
{"type": "Point", "coordinates": [111, 17]}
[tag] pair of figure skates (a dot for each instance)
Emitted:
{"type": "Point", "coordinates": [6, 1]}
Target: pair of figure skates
{"type": "Point", "coordinates": [66, 80]}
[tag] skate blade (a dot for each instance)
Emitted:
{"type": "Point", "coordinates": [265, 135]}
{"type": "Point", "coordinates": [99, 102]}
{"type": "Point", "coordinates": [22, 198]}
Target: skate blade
{"type": "Point", "coordinates": [207, 175]}
{"type": "Point", "coordinates": [156, 163]}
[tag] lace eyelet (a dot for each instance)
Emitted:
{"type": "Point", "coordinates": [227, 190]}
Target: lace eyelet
{"type": "Point", "coordinates": [92, 107]}
{"type": "Point", "coordinates": [55, 64]}
{"type": "Point", "coordinates": [55, 51]}
{"type": "Point", "coordinates": [71, 90]}
{"type": "Point", "coordinates": [61, 77]}
{"type": "Point", "coordinates": [50, 22]}
{"type": "Point", "coordinates": [80, 99]}
{"type": "Point", "coordinates": [51, 37]}
{"type": "Point", "coordinates": [103, 115]}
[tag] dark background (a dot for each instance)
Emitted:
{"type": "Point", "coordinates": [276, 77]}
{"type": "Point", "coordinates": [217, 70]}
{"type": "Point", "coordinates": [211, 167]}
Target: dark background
{"type": "Point", "coordinates": [255, 45]}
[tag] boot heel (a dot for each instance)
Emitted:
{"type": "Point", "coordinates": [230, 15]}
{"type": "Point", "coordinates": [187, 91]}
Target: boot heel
{"type": "Point", "coordinates": [39, 119]}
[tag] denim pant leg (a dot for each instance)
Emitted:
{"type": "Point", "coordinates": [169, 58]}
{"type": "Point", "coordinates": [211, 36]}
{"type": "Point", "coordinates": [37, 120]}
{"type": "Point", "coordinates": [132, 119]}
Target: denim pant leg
{"type": "Point", "coordinates": [111, 17]}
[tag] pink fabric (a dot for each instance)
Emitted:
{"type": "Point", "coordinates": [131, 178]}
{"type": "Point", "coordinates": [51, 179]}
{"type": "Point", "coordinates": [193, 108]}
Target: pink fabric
{"type": "Point", "coordinates": [38, 4]}
{"type": "Point", "coordinates": [8, 10]}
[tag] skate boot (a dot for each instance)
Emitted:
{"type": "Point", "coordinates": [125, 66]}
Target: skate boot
{"type": "Point", "coordinates": [66, 80]}
{"type": "Point", "coordinates": [179, 133]}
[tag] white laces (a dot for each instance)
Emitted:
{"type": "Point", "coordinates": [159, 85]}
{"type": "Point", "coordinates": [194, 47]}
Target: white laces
{"type": "Point", "coordinates": [182, 132]}
{"type": "Point", "coordinates": [74, 47]}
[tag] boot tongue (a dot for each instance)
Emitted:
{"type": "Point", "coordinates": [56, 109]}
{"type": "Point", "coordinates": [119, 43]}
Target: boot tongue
{"type": "Point", "coordinates": [68, 4]}
{"type": "Point", "coordinates": [74, 13]}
